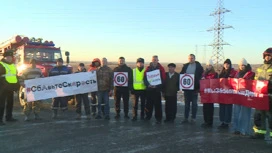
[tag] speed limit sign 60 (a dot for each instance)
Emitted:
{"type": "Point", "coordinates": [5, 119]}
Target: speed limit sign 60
{"type": "Point", "coordinates": [187, 81]}
{"type": "Point", "coordinates": [120, 79]}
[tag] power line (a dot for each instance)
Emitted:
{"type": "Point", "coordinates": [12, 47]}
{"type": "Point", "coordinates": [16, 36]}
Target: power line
{"type": "Point", "coordinates": [219, 27]}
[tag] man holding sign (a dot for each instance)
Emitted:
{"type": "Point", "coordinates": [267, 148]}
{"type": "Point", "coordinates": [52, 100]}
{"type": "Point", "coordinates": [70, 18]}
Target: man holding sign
{"type": "Point", "coordinates": [190, 95]}
{"type": "Point", "coordinates": [122, 84]}
{"type": "Point", "coordinates": [154, 78]}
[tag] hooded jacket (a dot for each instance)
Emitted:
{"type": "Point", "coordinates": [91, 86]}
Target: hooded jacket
{"type": "Point", "coordinates": [92, 65]}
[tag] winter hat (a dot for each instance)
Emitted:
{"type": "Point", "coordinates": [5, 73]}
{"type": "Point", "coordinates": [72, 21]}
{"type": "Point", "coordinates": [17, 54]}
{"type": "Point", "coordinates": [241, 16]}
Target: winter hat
{"type": "Point", "coordinates": [8, 53]}
{"type": "Point", "coordinates": [32, 60]}
{"type": "Point", "coordinates": [210, 62]}
{"type": "Point", "coordinates": [243, 62]}
{"type": "Point", "coordinates": [140, 60]}
{"type": "Point", "coordinates": [227, 61]}
{"type": "Point", "coordinates": [171, 65]}
{"type": "Point", "coordinates": [60, 60]}
{"type": "Point", "coordinates": [81, 64]}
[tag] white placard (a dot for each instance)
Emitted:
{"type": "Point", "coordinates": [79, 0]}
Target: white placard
{"type": "Point", "coordinates": [187, 81]}
{"type": "Point", "coordinates": [120, 79]}
{"type": "Point", "coordinates": [60, 86]}
{"type": "Point", "coordinates": [154, 77]}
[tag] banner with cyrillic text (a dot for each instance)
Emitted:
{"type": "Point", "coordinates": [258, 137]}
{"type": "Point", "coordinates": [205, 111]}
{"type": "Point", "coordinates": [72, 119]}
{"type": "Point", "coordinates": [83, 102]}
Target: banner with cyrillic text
{"type": "Point", "coordinates": [249, 93]}
{"type": "Point", "coordinates": [154, 77]}
{"type": "Point", "coordinates": [60, 86]}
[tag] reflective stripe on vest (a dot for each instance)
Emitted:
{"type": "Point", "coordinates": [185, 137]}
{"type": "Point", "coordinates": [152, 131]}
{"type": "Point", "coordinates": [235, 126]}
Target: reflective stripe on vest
{"type": "Point", "coordinates": [10, 73]}
{"type": "Point", "coordinates": [138, 79]}
{"type": "Point", "coordinates": [256, 130]}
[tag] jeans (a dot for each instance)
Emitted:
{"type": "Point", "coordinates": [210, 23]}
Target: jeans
{"type": "Point", "coordinates": [190, 96]}
{"type": "Point", "coordinates": [225, 113]}
{"type": "Point", "coordinates": [103, 96]}
{"type": "Point", "coordinates": [242, 119]}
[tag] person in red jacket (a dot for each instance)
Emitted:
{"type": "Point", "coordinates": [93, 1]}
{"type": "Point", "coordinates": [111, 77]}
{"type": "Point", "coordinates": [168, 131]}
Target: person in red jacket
{"type": "Point", "coordinates": [153, 92]}
{"type": "Point", "coordinates": [93, 66]}
{"type": "Point", "coordinates": [208, 108]}
{"type": "Point", "coordinates": [225, 110]}
{"type": "Point", "coordinates": [242, 114]}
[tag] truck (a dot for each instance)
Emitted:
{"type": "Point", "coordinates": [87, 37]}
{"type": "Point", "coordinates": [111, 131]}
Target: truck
{"type": "Point", "coordinates": [25, 48]}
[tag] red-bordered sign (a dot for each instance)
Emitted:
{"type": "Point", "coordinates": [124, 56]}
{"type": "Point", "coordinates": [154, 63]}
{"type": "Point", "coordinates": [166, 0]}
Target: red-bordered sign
{"type": "Point", "coordinates": [121, 79]}
{"type": "Point", "coordinates": [187, 81]}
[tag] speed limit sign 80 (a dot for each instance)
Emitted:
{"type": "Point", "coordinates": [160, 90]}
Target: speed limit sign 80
{"type": "Point", "coordinates": [187, 81]}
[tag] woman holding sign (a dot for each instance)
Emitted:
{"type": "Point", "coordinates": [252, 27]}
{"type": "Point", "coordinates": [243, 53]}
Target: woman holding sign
{"type": "Point", "coordinates": [242, 114]}
{"type": "Point", "coordinates": [208, 108]}
{"type": "Point", "coordinates": [225, 110]}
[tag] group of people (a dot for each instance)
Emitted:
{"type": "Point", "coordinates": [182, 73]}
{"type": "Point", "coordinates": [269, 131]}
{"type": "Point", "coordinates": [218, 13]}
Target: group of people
{"type": "Point", "coordinates": [142, 90]}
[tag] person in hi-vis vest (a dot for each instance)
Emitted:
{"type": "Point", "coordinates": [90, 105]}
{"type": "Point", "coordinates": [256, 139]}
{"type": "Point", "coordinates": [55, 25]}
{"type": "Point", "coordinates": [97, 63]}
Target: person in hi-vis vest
{"type": "Point", "coordinates": [8, 84]}
{"type": "Point", "coordinates": [138, 90]}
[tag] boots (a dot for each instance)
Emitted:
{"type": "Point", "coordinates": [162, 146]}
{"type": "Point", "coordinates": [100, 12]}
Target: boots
{"type": "Point", "coordinates": [37, 117]}
{"type": "Point", "coordinates": [88, 117]}
{"type": "Point", "coordinates": [55, 113]}
{"type": "Point", "coordinates": [78, 116]}
{"type": "Point", "coordinates": [27, 118]}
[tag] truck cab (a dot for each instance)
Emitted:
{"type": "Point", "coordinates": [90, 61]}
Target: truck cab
{"type": "Point", "coordinates": [25, 49]}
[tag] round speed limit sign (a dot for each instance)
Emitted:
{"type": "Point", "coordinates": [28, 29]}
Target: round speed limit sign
{"type": "Point", "coordinates": [121, 79]}
{"type": "Point", "coordinates": [187, 81]}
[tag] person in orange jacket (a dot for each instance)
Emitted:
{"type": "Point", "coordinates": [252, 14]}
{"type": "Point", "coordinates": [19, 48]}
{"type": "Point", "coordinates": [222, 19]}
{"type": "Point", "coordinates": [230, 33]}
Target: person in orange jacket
{"type": "Point", "coordinates": [93, 66]}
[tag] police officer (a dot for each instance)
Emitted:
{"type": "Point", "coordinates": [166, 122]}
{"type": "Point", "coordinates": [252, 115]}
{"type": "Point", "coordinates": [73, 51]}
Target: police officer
{"type": "Point", "coordinates": [8, 84]}
{"type": "Point", "coordinates": [57, 102]}
{"type": "Point", "coordinates": [138, 89]}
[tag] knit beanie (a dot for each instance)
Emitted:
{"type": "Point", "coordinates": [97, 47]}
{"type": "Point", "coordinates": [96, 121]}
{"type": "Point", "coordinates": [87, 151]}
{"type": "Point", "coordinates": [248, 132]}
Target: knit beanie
{"type": "Point", "coordinates": [243, 62]}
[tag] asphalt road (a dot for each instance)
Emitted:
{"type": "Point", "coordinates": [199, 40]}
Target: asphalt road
{"type": "Point", "coordinates": [67, 135]}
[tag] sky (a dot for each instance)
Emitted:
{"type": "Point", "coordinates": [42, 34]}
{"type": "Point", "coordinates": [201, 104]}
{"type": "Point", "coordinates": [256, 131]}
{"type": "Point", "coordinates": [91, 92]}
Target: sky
{"type": "Point", "coordinates": [141, 28]}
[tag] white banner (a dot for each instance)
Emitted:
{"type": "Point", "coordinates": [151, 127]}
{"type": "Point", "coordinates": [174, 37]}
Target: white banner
{"type": "Point", "coordinates": [154, 77]}
{"type": "Point", "coordinates": [187, 81]}
{"type": "Point", "coordinates": [120, 79]}
{"type": "Point", "coordinates": [60, 86]}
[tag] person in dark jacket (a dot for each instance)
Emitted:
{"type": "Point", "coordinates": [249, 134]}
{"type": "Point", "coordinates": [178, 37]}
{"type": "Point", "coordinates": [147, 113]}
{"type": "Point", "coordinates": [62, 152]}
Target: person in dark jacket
{"type": "Point", "coordinates": [59, 102]}
{"type": "Point", "coordinates": [225, 110]}
{"type": "Point", "coordinates": [122, 91]}
{"type": "Point", "coordinates": [153, 92]}
{"type": "Point", "coordinates": [8, 84]}
{"type": "Point", "coordinates": [82, 98]}
{"type": "Point", "coordinates": [171, 87]}
{"type": "Point", "coordinates": [192, 67]}
{"type": "Point", "coordinates": [208, 108]}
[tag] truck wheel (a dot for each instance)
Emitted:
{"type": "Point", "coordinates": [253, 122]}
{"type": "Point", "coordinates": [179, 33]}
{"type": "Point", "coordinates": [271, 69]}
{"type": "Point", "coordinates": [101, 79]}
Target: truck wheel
{"type": "Point", "coordinates": [21, 99]}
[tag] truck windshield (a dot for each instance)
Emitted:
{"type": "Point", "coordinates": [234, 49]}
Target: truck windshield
{"type": "Point", "coordinates": [42, 54]}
